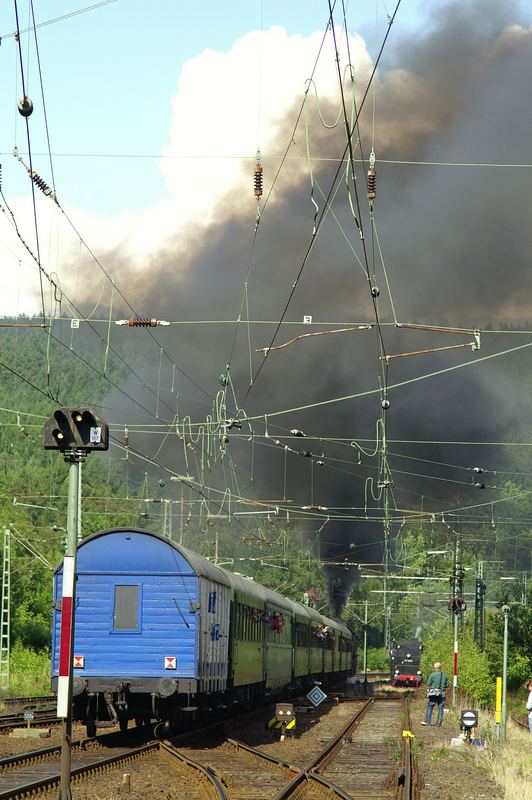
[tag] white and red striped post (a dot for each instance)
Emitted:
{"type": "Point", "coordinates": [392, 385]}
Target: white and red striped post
{"type": "Point", "coordinates": [66, 641]}
{"type": "Point", "coordinates": [75, 432]}
{"type": "Point", "coordinates": [455, 659]}
{"type": "Point", "coordinates": [66, 638]}
{"type": "Point", "coordinates": [457, 611]}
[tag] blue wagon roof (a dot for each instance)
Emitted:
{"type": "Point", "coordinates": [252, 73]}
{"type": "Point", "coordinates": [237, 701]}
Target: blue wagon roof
{"type": "Point", "coordinates": [109, 545]}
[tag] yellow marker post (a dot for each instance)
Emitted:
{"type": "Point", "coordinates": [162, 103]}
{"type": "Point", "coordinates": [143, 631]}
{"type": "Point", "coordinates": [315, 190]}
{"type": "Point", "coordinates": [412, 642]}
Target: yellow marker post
{"type": "Point", "coordinates": [498, 701]}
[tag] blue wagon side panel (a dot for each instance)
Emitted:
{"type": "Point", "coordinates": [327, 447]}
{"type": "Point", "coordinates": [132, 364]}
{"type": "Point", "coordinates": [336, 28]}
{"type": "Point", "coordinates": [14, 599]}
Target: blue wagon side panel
{"type": "Point", "coordinates": [164, 642]}
{"type": "Point", "coordinates": [166, 635]}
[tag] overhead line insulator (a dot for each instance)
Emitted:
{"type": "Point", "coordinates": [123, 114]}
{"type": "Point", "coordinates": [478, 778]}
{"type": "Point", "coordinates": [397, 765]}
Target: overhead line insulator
{"type": "Point", "coordinates": [372, 178]}
{"type": "Point", "coordinates": [142, 322]}
{"type": "Point", "coordinates": [257, 178]}
{"type": "Point", "coordinates": [41, 184]}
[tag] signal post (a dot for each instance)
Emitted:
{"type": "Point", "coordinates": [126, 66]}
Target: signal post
{"type": "Point", "coordinates": [74, 432]}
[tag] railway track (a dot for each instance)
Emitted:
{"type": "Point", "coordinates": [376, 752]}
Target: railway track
{"type": "Point", "coordinates": [364, 756]}
{"type": "Point", "coordinates": [42, 709]}
{"type": "Point", "coordinates": [28, 701]}
{"type": "Point", "coordinates": [39, 771]}
{"type": "Point", "coordinates": [40, 717]}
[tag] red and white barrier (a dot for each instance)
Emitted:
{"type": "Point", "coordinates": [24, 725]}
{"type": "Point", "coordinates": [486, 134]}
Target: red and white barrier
{"type": "Point", "coordinates": [66, 639]}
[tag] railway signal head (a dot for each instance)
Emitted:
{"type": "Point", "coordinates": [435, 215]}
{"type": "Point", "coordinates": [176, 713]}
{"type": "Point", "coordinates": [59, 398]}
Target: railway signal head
{"type": "Point", "coordinates": [284, 719]}
{"type": "Point", "coordinates": [75, 428]}
{"type": "Point", "coordinates": [457, 605]}
{"type": "Point", "coordinates": [284, 712]}
{"type": "Point", "coordinates": [468, 720]}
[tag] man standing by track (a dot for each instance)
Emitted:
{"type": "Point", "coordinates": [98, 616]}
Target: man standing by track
{"type": "Point", "coordinates": [437, 683]}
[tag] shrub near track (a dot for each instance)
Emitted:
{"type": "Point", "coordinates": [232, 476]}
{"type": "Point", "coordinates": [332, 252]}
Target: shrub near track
{"type": "Point", "coordinates": [474, 675]}
{"type": "Point", "coordinates": [29, 672]}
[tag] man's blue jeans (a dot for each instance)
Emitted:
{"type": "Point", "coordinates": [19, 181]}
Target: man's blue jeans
{"type": "Point", "coordinates": [435, 701]}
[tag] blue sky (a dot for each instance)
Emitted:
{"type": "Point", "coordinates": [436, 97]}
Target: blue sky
{"type": "Point", "coordinates": [110, 73]}
{"type": "Point", "coordinates": [155, 111]}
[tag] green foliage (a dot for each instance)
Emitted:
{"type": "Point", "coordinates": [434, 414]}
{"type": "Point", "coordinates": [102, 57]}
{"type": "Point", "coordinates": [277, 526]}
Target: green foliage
{"type": "Point", "coordinates": [378, 659]}
{"type": "Point", "coordinates": [29, 672]}
{"type": "Point", "coordinates": [270, 554]}
{"type": "Point", "coordinates": [439, 752]}
{"type": "Point", "coordinates": [519, 644]}
{"type": "Point", "coordinates": [518, 671]}
{"type": "Point", "coordinates": [474, 675]}
{"type": "Point", "coordinates": [33, 482]}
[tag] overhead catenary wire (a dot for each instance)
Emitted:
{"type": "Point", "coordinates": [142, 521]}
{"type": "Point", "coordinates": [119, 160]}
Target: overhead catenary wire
{"type": "Point", "coordinates": [105, 273]}
{"type": "Point", "coordinates": [83, 10]}
{"type": "Point", "coordinates": [47, 393]}
{"type": "Point", "coordinates": [400, 384]}
{"type": "Point", "coordinates": [206, 433]}
{"type": "Point", "coordinates": [264, 205]}
{"type": "Point", "coordinates": [350, 128]}
{"type": "Point", "coordinates": [28, 141]}
{"type": "Point", "coordinates": [107, 276]}
{"type": "Point", "coordinates": [42, 271]}
{"type": "Point", "coordinates": [322, 214]}
{"type": "Point", "coordinates": [45, 115]}
{"type": "Point", "coordinates": [320, 323]}
{"type": "Point", "coordinates": [273, 157]}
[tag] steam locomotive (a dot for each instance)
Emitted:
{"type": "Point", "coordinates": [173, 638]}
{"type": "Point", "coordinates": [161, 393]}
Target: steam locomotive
{"type": "Point", "coordinates": [404, 663]}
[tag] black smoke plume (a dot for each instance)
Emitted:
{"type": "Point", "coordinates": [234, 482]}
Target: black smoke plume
{"type": "Point", "coordinates": [456, 244]}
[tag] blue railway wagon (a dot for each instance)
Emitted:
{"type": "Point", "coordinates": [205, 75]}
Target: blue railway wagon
{"type": "Point", "coordinates": [152, 620]}
{"type": "Point", "coordinates": [160, 631]}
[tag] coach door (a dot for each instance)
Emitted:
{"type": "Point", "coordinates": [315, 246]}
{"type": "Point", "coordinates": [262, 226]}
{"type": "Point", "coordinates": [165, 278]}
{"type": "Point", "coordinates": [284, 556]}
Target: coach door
{"type": "Point", "coordinates": [214, 636]}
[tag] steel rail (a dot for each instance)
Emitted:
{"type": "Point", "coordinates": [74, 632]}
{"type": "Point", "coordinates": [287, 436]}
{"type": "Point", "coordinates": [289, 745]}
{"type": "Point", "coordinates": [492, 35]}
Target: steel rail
{"type": "Point", "coordinates": [307, 775]}
{"type": "Point", "coordinates": [18, 721]}
{"type": "Point", "coordinates": [330, 750]}
{"type": "Point", "coordinates": [52, 781]}
{"type": "Point", "coordinates": [302, 776]}
{"type": "Point", "coordinates": [404, 783]}
{"type": "Point", "coordinates": [208, 773]}
{"type": "Point", "coordinates": [30, 758]}
{"type": "Point", "coordinates": [406, 780]}
{"type": "Point", "coordinates": [24, 701]}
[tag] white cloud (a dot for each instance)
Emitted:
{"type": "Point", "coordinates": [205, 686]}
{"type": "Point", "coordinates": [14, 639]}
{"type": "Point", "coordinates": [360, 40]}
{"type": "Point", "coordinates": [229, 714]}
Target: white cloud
{"type": "Point", "coordinates": [226, 104]}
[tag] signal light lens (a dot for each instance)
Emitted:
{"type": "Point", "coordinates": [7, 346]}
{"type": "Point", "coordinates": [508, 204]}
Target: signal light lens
{"type": "Point", "coordinates": [71, 428]}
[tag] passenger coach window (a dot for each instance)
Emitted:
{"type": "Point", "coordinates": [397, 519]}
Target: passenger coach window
{"type": "Point", "coordinates": [126, 610]}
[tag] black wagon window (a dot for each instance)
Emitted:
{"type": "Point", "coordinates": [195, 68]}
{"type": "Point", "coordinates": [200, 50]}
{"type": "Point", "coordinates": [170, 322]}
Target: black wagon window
{"type": "Point", "coordinates": [126, 609]}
